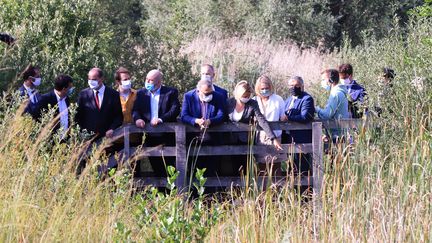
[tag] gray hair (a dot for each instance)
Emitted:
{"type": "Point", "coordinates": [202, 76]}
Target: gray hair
{"type": "Point", "coordinates": [297, 78]}
{"type": "Point", "coordinates": [205, 83]}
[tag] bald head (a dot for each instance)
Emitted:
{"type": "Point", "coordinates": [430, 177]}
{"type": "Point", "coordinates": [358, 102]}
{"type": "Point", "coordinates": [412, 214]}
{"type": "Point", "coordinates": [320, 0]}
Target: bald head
{"type": "Point", "coordinates": [96, 74]}
{"type": "Point", "coordinates": [154, 77]}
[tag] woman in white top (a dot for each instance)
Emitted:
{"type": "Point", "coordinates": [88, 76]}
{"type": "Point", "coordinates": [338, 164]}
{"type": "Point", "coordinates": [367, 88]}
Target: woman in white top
{"type": "Point", "coordinates": [272, 106]}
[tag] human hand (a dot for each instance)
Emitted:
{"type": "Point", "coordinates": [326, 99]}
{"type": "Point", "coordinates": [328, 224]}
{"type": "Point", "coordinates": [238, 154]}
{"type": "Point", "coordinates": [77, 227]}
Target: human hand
{"type": "Point", "coordinates": [140, 123]}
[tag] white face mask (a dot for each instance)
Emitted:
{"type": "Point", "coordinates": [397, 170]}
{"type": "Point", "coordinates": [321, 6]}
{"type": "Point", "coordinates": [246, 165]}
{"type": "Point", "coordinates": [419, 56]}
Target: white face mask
{"type": "Point", "coordinates": [126, 85]}
{"type": "Point", "coordinates": [37, 81]}
{"type": "Point", "coordinates": [346, 81]}
{"type": "Point", "coordinates": [93, 84]}
{"type": "Point", "coordinates": [206, 98]}
{"type": "Point", "coordinates": [207, 77]}
{"type": "Point", "coordinates": [325, 85]}
{"type": "Point", "coordinates": [244, 100]}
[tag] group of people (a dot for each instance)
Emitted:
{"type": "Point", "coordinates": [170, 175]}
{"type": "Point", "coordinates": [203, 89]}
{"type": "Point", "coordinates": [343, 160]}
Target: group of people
{"type": "Point", "coordinates": [101, 109]}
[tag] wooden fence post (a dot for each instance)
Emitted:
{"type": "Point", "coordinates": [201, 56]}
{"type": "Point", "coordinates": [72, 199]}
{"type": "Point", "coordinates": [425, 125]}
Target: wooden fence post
{"type": "Point", "coordinates": [318, 172]}
{"type": "Point", "coordinates": [126, 148]}
{"type": "Point", "coordinates": [181, 159]}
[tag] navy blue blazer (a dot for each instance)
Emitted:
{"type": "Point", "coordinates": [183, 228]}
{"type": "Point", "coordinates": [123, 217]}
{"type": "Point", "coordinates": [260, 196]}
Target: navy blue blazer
{"type": "Point", "coordinates": [109, 116]}
{"type": "Point", "coordinates": [169, 105]}
{"type": "Point", "coordinates": [30, 106]}
{"type": "Point", "coordinates": [303, 111]}
{"type": "Point", "coordinates": [191, 108]}
{"type": "Point", "coordinates": [221, 91]}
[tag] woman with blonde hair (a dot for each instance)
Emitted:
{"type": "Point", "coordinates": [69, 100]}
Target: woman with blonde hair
{"type": "Point", "coordinates": [241, 108]}
{"type": "Point", "coordinates": [272, 106]}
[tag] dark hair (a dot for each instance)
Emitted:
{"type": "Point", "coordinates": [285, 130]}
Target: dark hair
{"type": "Point", "coordinates": [119, 72]}
{"type": "Point", "coordinates": [346, 69]}
{"type": "Point", "coordinates": [333, 75]}
{"type": "Point", "coordinates": [62, 81]}
{"type": "Point", "coordinates": [388, 73]}
{"type": "Point", "coordinates": [29, 71]}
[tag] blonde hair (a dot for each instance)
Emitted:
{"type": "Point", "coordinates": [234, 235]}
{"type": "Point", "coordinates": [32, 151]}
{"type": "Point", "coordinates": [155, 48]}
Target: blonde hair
{"type": "Point", "coordinates": [242, 84]}
{"type": "Point", "coordinates": [263, 79]}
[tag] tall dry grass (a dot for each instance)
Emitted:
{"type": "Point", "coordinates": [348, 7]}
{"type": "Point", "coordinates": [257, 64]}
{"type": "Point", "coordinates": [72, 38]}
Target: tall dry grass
{"type": "Point", "coordinates": [247, 58]}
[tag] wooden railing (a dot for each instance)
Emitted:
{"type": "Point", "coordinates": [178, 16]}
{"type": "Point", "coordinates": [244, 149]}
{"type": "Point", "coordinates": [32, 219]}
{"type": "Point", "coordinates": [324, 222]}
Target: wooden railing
{"type": "Point", "coordinates": [180, 150]}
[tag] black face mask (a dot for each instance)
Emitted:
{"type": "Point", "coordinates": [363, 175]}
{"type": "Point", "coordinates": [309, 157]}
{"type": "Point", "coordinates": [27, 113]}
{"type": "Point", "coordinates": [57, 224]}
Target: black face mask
{"type": "Point", "coordinates": [295, 91]}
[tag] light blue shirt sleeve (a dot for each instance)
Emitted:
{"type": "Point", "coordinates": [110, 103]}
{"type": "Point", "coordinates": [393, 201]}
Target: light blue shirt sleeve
{"type": "Point", "coordinates": [329, 111]}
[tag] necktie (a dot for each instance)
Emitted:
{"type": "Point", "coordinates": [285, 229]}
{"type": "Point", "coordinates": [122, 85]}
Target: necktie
{"type": "Point", "coordinates": [97, 99]}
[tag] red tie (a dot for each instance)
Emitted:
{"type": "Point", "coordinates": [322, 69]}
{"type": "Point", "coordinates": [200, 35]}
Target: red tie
{"type": "Point", "coordinates": [97, 99]}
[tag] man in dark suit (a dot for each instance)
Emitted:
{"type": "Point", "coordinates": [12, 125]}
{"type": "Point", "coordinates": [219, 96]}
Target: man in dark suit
{"type": "Point", "coordinates": [204, 107]}
{"type": "Point", "coordinates": [58, 98]}
{"type": "Point", "coordinates": [357, 93]}
{"type": "Point", "coordinates": [156, 104]}
{"type": "Point", "coordinates": [31, 79]}
{"type": "Point", "coordinates": [99, 108]}
{"type": "Point", "coordinates": [299, 107]}
{"type": "Point", "coordinates": [208, 73]}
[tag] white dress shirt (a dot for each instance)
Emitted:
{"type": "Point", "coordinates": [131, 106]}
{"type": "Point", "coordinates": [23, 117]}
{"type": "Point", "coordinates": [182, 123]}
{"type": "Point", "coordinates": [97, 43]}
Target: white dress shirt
{"type": "Point", "coordinates": [100, 94]}
{"type": "Point", "coordinates": [272, 110]}
{"type": "Point", "coordinates": [64, 112]}
{"type": "Point", "coordinates": [154, 104]}
{"type": "Point", "coordinates": [31, 94]}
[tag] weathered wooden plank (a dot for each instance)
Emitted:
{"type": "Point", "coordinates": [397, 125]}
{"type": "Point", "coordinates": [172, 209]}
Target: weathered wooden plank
{"type": "Point", "coordinates": [317, 170]}
{"type": "Point", "coordinates": [237, 181]}
{"type": "Point", "coordinates": [240, 127]}
{"type": "Point", "coordinates": [181, 157]}
{"type": "Point", "coordinates": [223, 150]}
{"type": "Point", "coordinates": [342, 123]}
{"type": "Point", "coordinates": [150, 181]}
{"type": "Point", "coordinates": [126, 150]}
{"type": "Point", "coordinates": [228, 181]}
{"type": "Point", "coordinates": [256, 149]}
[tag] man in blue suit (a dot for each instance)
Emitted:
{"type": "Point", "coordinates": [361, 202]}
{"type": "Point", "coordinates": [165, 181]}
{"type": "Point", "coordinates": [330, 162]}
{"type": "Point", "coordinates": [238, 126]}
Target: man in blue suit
{"type": "Point", "coordinates": [299, 107]}
{"type": "Point", "coordinates": [156, 104]}
{"type": "Point", "coordinates": [203, 107]}
{"type": "Point", "coordinates": [31, 79]}
{"type": "Point", "coordinates": [356, 92]}
{"type": "Point", "coordinates": [208, 73]}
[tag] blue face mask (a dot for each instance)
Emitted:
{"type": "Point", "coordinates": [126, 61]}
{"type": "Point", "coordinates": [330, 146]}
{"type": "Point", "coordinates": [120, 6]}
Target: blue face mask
{"type": "Point", "coordinates": [150, 87]}
{"type": "Point", "coordinates": [265, 92]}
{"type": "Point", "coordinates": [70, 91]}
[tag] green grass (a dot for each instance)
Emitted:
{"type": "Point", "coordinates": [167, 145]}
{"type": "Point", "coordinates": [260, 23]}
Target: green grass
{"type": "Point", "coordinates": [381, 191]}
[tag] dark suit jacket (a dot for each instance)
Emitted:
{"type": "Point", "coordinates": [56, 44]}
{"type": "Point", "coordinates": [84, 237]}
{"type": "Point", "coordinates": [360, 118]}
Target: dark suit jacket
{"type": "Point", "coordinates": [191, 108]}
{"type": "Point", "coordinates": [303, 111]}
{"type": "Point", "coordinates": [169, 105]}
{"type": "Point", "coordinates": [251, 111]}
{"type": "Point", "coordinates": [30, 106]}
{"type": "Point", "coordinates": [221, 91]}
{"type": "Point", "coordinates": [109, 116]}
{"type": "Point", "coordinates": [46, 100]}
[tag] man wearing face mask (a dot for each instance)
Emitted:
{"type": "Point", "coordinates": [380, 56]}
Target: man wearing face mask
{"type": "Point", "coordinates": [356, 93]}
{"type": "Point", "coordinates": [156, 104]}
{"type": "Point", "coordinates": [208, 73]}
{"type": "Point", "coordinates": [337, 103]}
{"type": "Point", "coordinates": [99, 109]}
{"type": "Point", "coordinates": [127, 94]}
{"type": "Point", "coordinates": [31, 80]}
{"type": "Point", "coordinates": [58, 98]}
{"type": "Point", "coordinates": [299, 107]}
{"type": "Point", "coordinates": [203, 107]}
